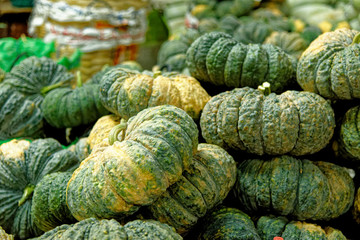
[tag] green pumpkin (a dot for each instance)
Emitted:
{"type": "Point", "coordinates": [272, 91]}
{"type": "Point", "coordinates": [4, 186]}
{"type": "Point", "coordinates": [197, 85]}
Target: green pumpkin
{"type": "Point", "coordinates": [170, 49]}
{"type": "Point", "coordinates": [291, 187]}
{"type": "Point", "coordinates": [157, 147]}
{"type": "Point", "coordinates": [67, 108]}
{"type": "Point", "coordinates": [270, 226]}
{"type": "Point", "coordinates": [125, 92]}
{"type": "Point", "coordinates": [22, 166]}
{"type": "Point", "coordinates": [347, 142]}
{"type": "Point", "coordinates": [219, 59]}
{"type": "Point", "coordinates": [81, 148]}
{"type": "Point", "coordinates": [294, 122]}
{"type": "Point", "coordinates": [19, 116]}
{"type": "Point", "coordinates": [204, 185]}
{"type": "Point", "coordinates": [227, 223]}
{"type": "Point", "coordinates": [34, 77]}
{"type": "Point", "coordinates": [92, 228]}
{"type": "Point", "coordinates": [49, 208]}
{"type": "Point", "coordinates": [330, 65]}
{"type": "Point", "coordinates": [291, 42]}
{"type": "Point", "coordinates": [252, 32]}
{"type": "Point", "coordinates": [356, 208]}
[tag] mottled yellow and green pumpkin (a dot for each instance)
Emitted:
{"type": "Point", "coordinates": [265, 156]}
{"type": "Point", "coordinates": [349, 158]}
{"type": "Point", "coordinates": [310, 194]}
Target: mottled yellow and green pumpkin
{"type": "Point", "coordinates": [3, 234]}
{"type": "Point", "coordinates": [203, 186]}
{"type": "Point", "coordinates": [92, 228]}
{"type": "Point", "coordinates": [356, 209]}
{"type": "Point", "coordinates": [302, 189]}
{"type": "Point", "coordinates": [126, 92]}
{"type": "Point", "coordinates": [294, 122]}
{"type": "Point", "coordinates": [22, 166]}
{"type": "Point", "coordinates": [330, 66]}
{"type": "Point", "coordinates": [219, 59]}
{"type": "Point", "coordinates": [158, 146]}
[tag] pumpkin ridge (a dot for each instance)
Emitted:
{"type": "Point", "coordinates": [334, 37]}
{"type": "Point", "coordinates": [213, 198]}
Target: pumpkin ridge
{"type": "Point", "coordinates": [347, 78]}
{"type": "Point", "coordinates": [298, 188]}
{"type": "Point", "coordinates": [256, 186]}
{"type": "Point", "coordinates": [8, 99]}
{"type": "Point", "coordinates": [266, 75]}
{"type": "Point", "coordinates": [298, 114]}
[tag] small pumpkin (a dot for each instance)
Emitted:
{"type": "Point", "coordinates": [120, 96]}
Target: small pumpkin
{"type": "Point", "coordinates": [287, 186]}
{"type": "Point", "coordinates": [330, 65]}
{"type": "Point", "coordinates": [219, 59]}
{"type": "Point", "coordinates": [49, 208]}
{"type": "Point", "coordinates": [294, 122]}
{"type": "Point", "coordinates": [22, 165]}
{"type": "Point", "coordinates": [204, 185]}
{"type": "Point", "coordinates": [92, 228]}
{"type": "Point", "coordinates": [34, 77]}
{"type": "Point", "coordinates": [158, 145]}
{"type": "Point", "coordinates": [125, 92]}
{"type": "Point", "coordinates": [19, 116]}
{"type": "Point", "coordinates": [67, 108]}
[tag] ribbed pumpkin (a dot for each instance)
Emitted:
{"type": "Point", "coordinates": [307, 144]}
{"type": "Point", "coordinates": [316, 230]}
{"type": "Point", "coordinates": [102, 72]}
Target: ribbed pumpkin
{"type": "Point", "coordinates": [227, 223]}
{"type": "Point", "coordinates": [330, 65]}
{"type": "Point", "coordinates": [22, 166]}
{"type": "Point", "coordinates": [168, 51]}
{"type": "Point", "coordinates": [347, 145]}
{"type": "Point", "coordinates": [269, 227]}
{"type": "Point", "coordinates": [92, 228]}
{"type": "Point", "coordinates": [291, 42]}
{"type": "Point", "coordinates": [204, 185]}
{"type": "Point", "coordinates": [221, 60]}
{"type": "Point", "coordinates": [158, 145]}
{"type": "Point", "coordinates": [49, 208]}
{"type": "Point", "coordinates": [299, 188]}
{"type": "Point", "coordinates": [19, 117]}
{"type": "Point", "coordinates": [356, 209]}
{"type": "Point", "coordinates": [294, 122]}
{"type": "Point", "coordinates": [34, 77]}
{"type": "Point", "coordinates": [67, 108]}
{"type": "Point", "coordinates": [126, 92]}
{"type": "Point", "coordinates": [252, 32]}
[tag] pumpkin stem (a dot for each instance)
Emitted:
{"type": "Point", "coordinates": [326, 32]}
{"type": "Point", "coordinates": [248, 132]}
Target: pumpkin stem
{"type": "Point", "coordinates": [79, 82]}
{"type": "Point", "coordinates": [265, 88]}
{"type": "Point", "coordinates": [47, 89]}
{"type": "Point", "coordinates": [29, 189]}
{"type": "Point", "coordinates": [115, 131]}
{"type": "Point", "coordinates": [356, 39]}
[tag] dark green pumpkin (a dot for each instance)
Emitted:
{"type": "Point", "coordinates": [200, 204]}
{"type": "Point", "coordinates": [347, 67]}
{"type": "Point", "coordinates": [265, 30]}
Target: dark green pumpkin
{"type": "Point", "coordinates": [330, 65]}
{"type": "Point", "coordinates": [34, 77]}
{"type": "Point", "coordinates": [270, 226]}
{"type": "Point", "coordinates": [22, 166]}
{"type": "Point", "coordinates": [19, 116]}
{"type": "Point", "coordinates": [299, 188]}
{"type": "Point", "coordinates": [170, 49]}
{"type": "Point", "coordinates": [227, 223]}
{"type": "Point", "coordinates": [347, 144]}
{"type": "Point", "coordinates": [293, 122]}
{"type": "Point", "coordinates": [67, 108]}
{"type": "Point", "coordinates": [81, 148]}
{"type": "Point", "coordinates": [204, 185]}
{"type": "Point", "coordinates": [158, 146]}
{"type": "Point", "coordinates": [49, 208]}
{"type": "Point", "coordinates": [221, 60]}
{"type": "Point", "coordinates": [92, 228]}
{"type": "Point", "coordinates": [252, 32]}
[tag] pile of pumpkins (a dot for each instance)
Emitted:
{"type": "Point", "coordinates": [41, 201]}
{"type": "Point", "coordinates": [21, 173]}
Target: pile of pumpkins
{"type": "Point", "coordinates": [238, 140]}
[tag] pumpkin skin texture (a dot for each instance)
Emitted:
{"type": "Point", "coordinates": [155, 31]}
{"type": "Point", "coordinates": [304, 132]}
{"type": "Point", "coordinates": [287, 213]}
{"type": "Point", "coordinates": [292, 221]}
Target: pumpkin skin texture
{"type": "Point", "coordinates": [270, 226]}
{"type": "Point", "coordinates": [49, 208]}
{"type": "Point", "coordinates": [92, 228]}
{"type": "Point", "coordinates": [330, 66]}
{"type": "Point", "coordinates": [159, 144]}
{"type": "Point", "coordinates": [125, 92]}
{"type": "Point", "coordinates": [227, 223]}
{"type": "Point", "coordinates": [219, 59]}
{"type": "Point", "coordinates": [23, 165]}
{"type": "Point", "coordinates": [252, 32]}
{"type": "Point", "coordinates": [356, 209]}
{"type": "Point", "coordinates": [19, 117]}
{"type": "Point", "coordinates": [204, 185]}
{"type": "Point", "coordinates": [348, 141]}
{"type": "Point", "coordinates": [290, 187]}
{"type": "Point", "coordinates": [67, 108]}
{"type": "Point", "coordinates": [3, 234]}
{"type": "Point", "coordinates": [34, 76]}
{"type": "Point", "coordinates": [294, 122]}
